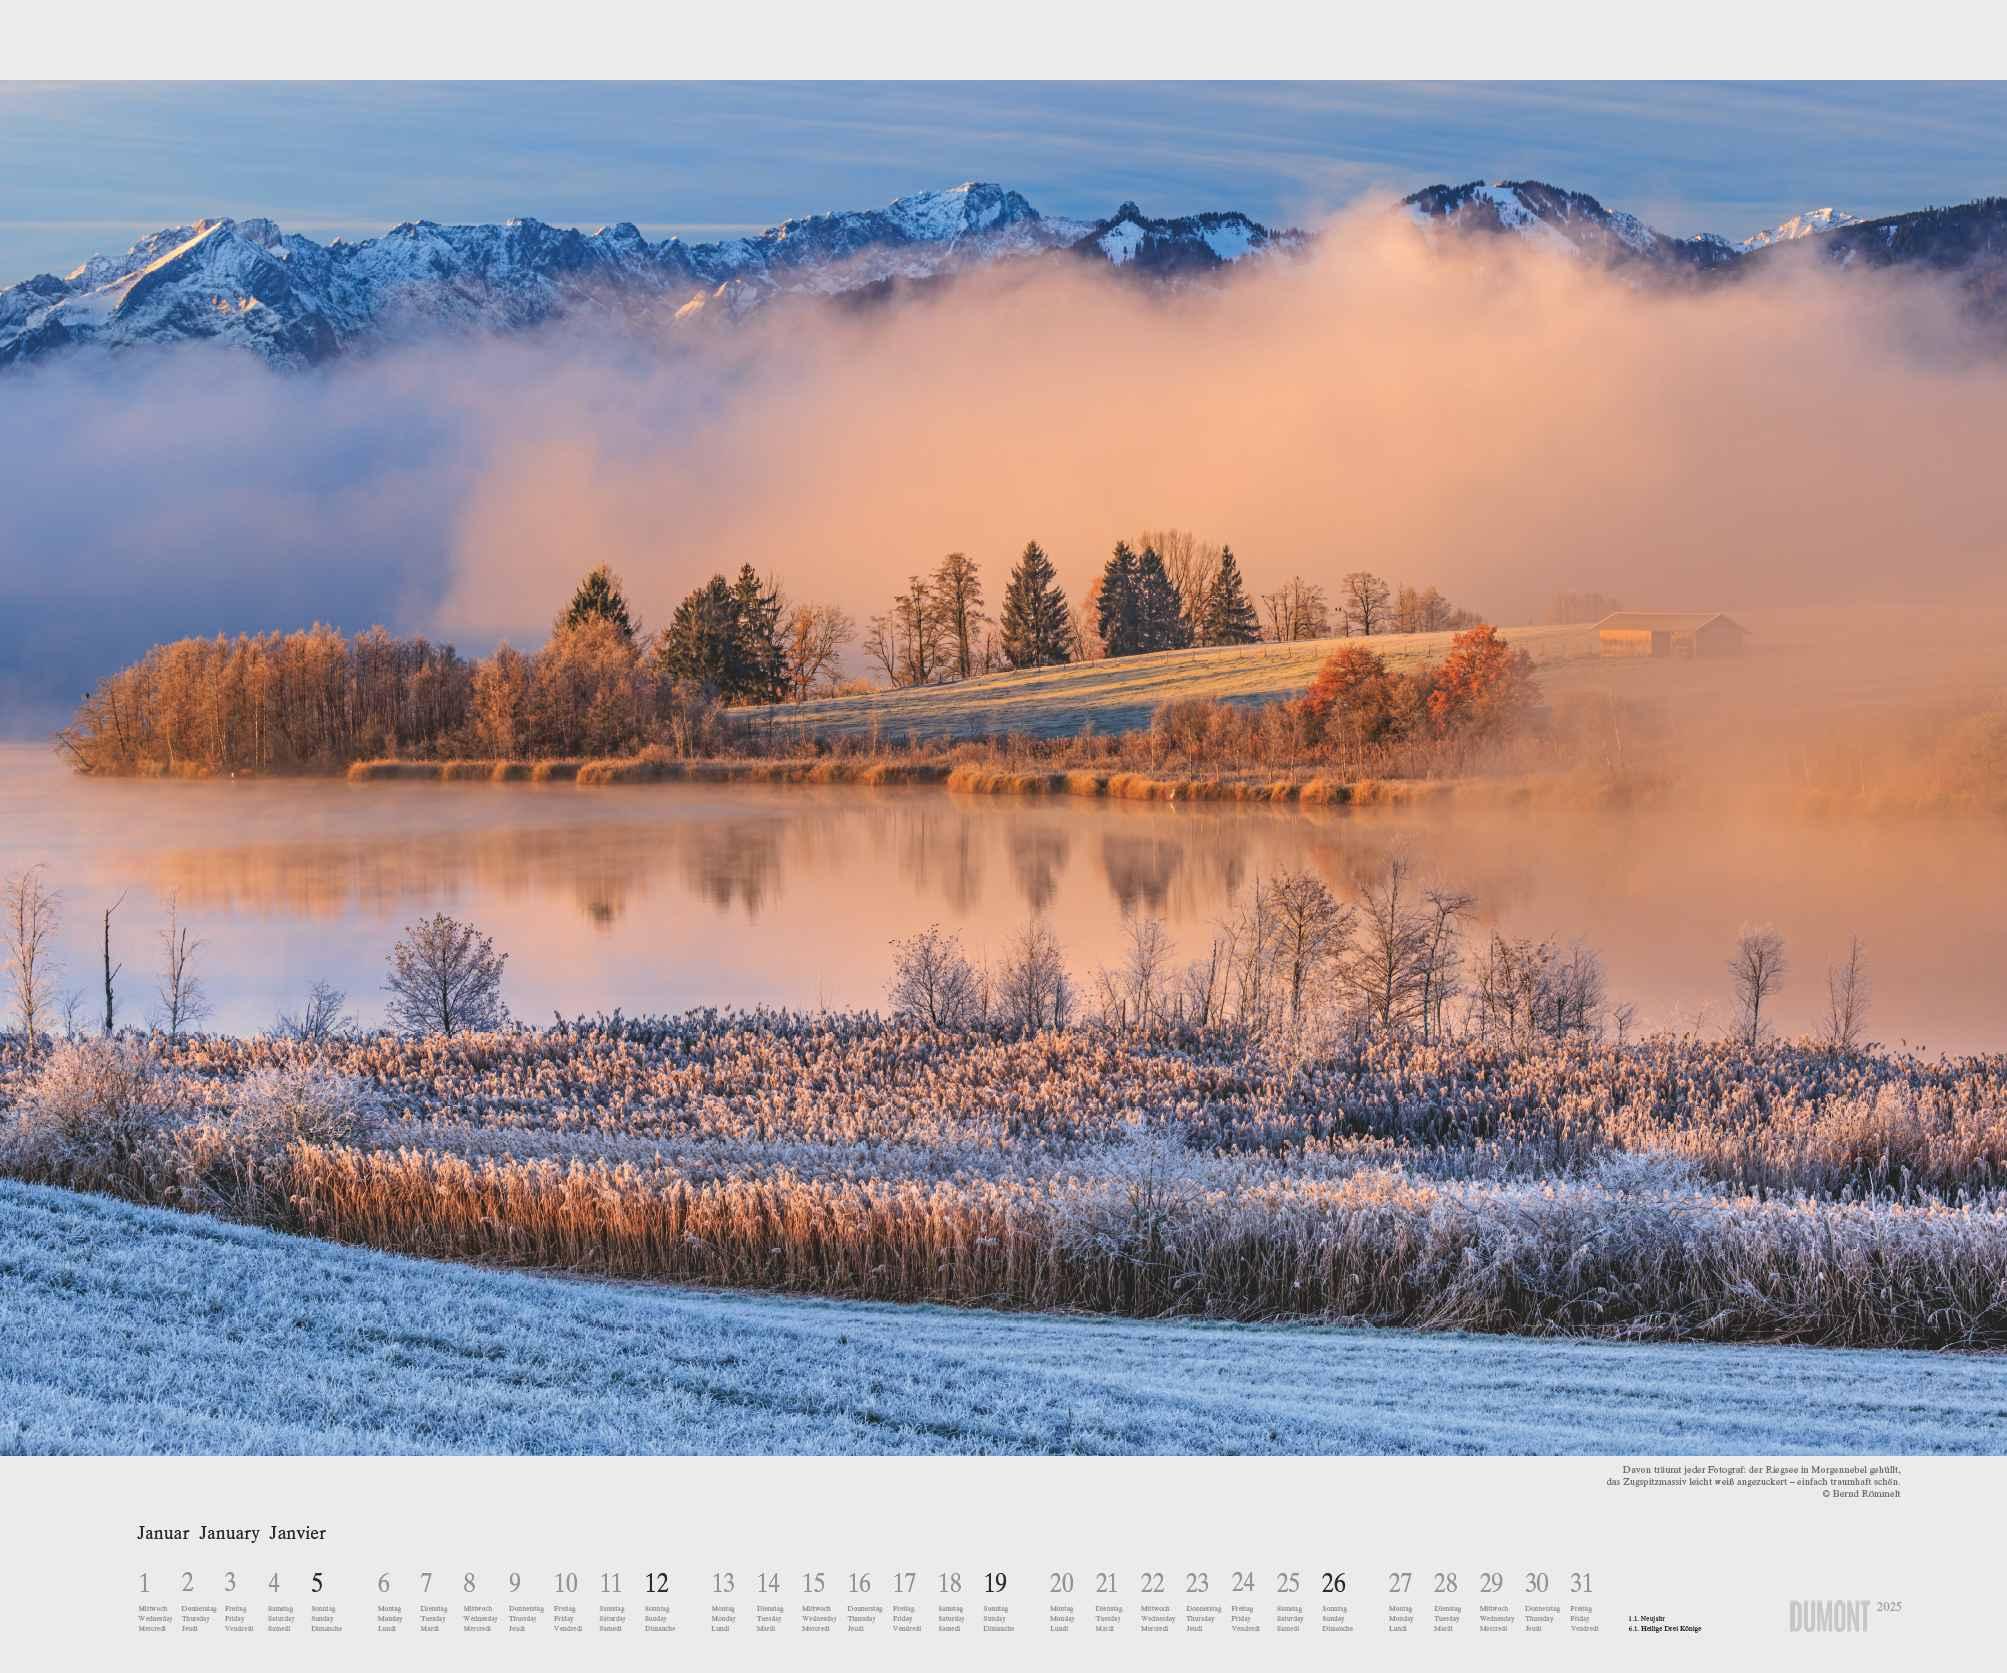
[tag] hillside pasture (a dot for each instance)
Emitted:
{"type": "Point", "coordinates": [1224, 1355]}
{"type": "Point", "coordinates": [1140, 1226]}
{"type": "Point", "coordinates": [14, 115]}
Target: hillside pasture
{"type": "Point", "coordinates": [1121, 693]}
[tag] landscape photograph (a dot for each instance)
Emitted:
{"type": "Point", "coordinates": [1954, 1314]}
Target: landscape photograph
{"type": "Point", "coordinates": [984, 768]}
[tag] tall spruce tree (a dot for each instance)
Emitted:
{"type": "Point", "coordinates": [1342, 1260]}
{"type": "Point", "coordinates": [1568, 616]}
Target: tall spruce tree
{"type": "Point", "coordinates": [1034, 612]}
{"type": "Point", "coordinates": [600, 597]}
{"type": "Point", "coordinates": [1161, 623]}
{"type": "Point", "coordinates": [702, 643]}
{"type": "Point", "coordinates": [727, 635]}
{"type": "Point", "coordinates": [1118, 611]}
{"type": "Point", "coordinates": [1230, 618]}
{"type": "Point", "coordinates": [762, 646]}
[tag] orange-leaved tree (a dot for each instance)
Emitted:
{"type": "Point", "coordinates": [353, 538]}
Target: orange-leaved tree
{"type": "Point", "coordinates": [1482, 686]}
{"type": "Point", "coordinates": [1351, 700]}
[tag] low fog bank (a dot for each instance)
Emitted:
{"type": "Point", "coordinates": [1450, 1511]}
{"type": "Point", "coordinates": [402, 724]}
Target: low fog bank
{"type": "Point", "coordinates": [1886, 708]}
{"type": "Point", "coordinates": [1496, 421]}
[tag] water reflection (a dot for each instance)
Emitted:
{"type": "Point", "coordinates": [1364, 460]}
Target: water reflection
{"type": "Point", "coordinates": [657, 898]}
{"type": "Point", "coordinates": [1141, 867]}
{"type": "Point", "coordinates": [1037, 857]}
{"type": "Point", "coordinates": [736, 862]}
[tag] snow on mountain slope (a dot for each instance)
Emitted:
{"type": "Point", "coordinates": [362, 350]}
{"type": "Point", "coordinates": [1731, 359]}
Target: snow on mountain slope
{"type": "Point", "coordinates": [298, 303]}
{"type": "Point", "coordinates": [1133, 240]}
{"type": "Point", "coordinates": [1808, 225]}
{"type": "Point", "coordinates": [1562, 220]}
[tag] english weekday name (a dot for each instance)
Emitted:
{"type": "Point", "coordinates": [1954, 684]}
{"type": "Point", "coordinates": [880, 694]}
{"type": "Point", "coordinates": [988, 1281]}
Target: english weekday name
{"type": "Point", "coordinates": [202, 1533]}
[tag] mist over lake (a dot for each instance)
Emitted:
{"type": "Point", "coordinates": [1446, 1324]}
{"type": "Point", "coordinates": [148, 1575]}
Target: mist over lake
{"type": "Point", "coordinates": [666, 898]}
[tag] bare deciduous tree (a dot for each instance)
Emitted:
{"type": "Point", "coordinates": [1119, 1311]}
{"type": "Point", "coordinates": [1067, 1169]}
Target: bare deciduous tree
{"type": "Point", "coordinates": [183, 1000]}
{"type": "Point", "coordinates": [1083, 638]}
{"type": "Point", "coordinates": [1033, 990]}
{"type": "Point", "coordinates": [1758, 971]}
{"type": "Point", "coordinates": [1200, 1000]}
{"type": "Point", "coordinates": [320, 1020]}
{"type": "Point", "coordinates": [1848, 992]}
{"type": "Point", "coordinates": [1297, 610]}
{"type": "Point", "coordinates": [1310, 930]}
{"type": "Point", "coordinates": [1440, 949]}
{"type": "Point", "coordinates": [1246, 961]}
{"type": "Point", "coordinates": [111, 970]}
{"type": "Point", "coordinates": [1580, 993]}
{"type": "Point", "coordinates": [957, 597]}
{"type": "Point", "coordinates": [933, 982]}
{"type": "Point", "coordinates": [916, 615]}
{"type": "Point", "coordinates": [1425, 610]}
{"type": "Point", "coordinates": [1138, 995]}
{"type": "Point", "coordinates": [1386, 972]}
{"type": "Point", "coordinates": [445, 976]}
{"type": "Point", "coordinates": [1365, 599]}
{"type": "Point", "coordinates": [1531, 991]}
{"type": "Point", "coordinates": [31, 910]}
{"type": "Point", "coordinates": [881, 645]}
{"type": "Point", "coordinates": [816, 635]}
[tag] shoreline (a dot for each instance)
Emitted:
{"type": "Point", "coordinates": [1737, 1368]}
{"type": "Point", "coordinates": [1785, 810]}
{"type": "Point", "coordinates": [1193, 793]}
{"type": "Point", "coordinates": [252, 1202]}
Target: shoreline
{"type": "Point", "coordinates": [1302, 787]}
{"type": "Point", "coordinates": [976, 778]}
{"type": "Point", "coordinates": [967, 778]}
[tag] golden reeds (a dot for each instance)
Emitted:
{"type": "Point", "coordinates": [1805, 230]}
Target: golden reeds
{"type": "Point", "coordinates": [1672, 1189]}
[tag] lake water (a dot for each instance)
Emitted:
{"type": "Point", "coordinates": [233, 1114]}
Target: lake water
{"type": "Point", "coordinates": [661, 898]}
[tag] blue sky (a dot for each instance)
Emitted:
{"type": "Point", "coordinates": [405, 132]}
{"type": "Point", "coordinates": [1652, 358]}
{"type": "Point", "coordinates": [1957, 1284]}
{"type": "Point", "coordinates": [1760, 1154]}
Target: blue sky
{"type": "Point", "coordinates": [87, 168]}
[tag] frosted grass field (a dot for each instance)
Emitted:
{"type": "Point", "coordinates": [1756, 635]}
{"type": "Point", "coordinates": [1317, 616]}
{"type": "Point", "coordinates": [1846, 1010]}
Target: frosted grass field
{"type": "Point", "coordinates": [1121, 694]}
{"type": "Point", "coordinates": [127, 1329]}
{"type": "Point", "coordinates": [1670, 1191]}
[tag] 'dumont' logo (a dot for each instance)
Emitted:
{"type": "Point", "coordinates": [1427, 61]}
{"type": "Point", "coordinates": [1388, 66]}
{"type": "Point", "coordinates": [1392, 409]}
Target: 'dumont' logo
{"type": "Point", "coordinates": [1835, 1614]}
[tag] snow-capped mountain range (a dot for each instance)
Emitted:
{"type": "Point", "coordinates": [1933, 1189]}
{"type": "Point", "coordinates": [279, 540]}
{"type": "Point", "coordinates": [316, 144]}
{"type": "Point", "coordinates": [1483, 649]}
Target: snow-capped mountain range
{"type": "Point", "coordinates": [1576, 222]}
{"type": "Point", "coordinates": [297, 303]}
{"type": "Point", "coordinates": [1967, 240]}
{"type": "Point", "coordinates": [1569, 222]}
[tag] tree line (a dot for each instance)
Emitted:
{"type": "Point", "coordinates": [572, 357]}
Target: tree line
{"type": "Point", "coordinates": [1167, 590]}
{"type": "Point", "coordinates": [317, 699]}
{"type": "Point", "coordinates": [1292, 959]}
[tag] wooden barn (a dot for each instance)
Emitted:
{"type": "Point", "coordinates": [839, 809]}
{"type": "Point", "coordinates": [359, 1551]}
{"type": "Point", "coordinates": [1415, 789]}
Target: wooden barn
{"type": "Point", "coordinates": [1670, 633]}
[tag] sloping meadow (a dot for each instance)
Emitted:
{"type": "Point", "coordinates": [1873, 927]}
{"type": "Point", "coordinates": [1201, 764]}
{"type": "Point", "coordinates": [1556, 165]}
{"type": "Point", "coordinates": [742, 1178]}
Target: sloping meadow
{"type": "Point", "coordinates": [1673, 1189]}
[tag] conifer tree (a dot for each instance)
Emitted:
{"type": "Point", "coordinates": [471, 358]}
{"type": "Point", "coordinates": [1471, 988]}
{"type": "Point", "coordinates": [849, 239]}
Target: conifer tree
{"type": "Point", "coordinates": [1118, 613]}
{"type": "Point", "coordinates": [1034, 612]}
{"type": "Point", "coordinates": [702, 643]}
{"type": "Point", "coordinates": [1161, 622]}
{"type": "Point", "coordinates": [1230, 618]}
{"type": "Point", "coordinates": [762, 646]}
{"type": "Point", "coordinates": [599, 596]}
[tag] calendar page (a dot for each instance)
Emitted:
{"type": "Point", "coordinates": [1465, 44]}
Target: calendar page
{"type": "Point", "coordinates": [1186, 1562]}
{"type": "Point", "coordinates": [855, 837]}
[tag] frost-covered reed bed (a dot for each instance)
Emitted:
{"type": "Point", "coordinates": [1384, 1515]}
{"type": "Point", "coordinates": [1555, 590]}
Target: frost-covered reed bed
{"type": "Point", "coordinates": [1673, 1189]}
